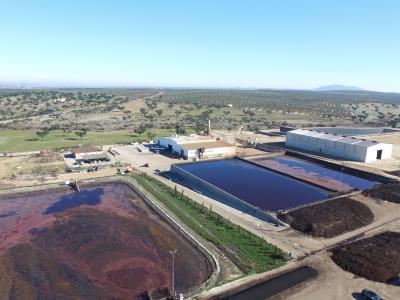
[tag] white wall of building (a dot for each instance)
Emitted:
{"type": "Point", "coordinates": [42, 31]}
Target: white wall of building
{"type": "Point", "coordinates": [184, 148]}
{"type": "Point", "coordinates": [81, 155]}
{"type": "Point", "coordinates": [212, 152]}
{"type": "Point", "coordinates": [166, 141]}
{"type": "Point", "coordinates": [372, 152]}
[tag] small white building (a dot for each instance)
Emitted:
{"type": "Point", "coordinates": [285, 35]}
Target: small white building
{"type": "Point", "coordinates": [88, 153]}
{"type": "Point", "coordinates": [195, 146]}
{"type": "Point", "coordinates": [340, 146]}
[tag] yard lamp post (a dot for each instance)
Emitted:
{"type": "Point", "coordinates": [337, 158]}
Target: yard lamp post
{"type": "Point", "coordinates": [341, 179]}
{"type": "Point", "coordinates": [173, 252]}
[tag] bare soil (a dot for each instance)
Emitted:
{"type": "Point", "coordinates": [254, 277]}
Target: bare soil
{"type": "Point", "coordinates": [376, 258]}
{"type": "Point", "coordinates": [329, 219]}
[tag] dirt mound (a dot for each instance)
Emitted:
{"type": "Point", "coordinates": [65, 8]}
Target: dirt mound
{"type": "Point", "coordinates": [329, 219]}
{"type": "Point", "coordinates": [376, 258]}
{"type": "Point", "coordinates": [389, 192]}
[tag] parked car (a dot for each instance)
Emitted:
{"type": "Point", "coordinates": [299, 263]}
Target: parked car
{"type": "Point", "coordinates": [370, 295]}
{"type": "Point", "coordinates": [93, 169]}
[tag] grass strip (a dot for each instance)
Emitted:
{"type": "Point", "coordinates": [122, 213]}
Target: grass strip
{"type": "Point", "coordinates": [249, 252]}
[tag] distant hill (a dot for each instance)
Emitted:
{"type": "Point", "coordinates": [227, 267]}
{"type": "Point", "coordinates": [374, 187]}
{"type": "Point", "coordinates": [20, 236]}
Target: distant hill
{"type": "Point", "coordinates": [337, 87]}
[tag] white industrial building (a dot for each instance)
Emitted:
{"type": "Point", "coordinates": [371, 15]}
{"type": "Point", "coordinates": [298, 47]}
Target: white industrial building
{"type": "Point", "coordinates": [82, 153]}
{"type": "Point", "coordinates": [89, 153]}
{"type": "Point", "coordinates": [196, 146]}
{"type": "Point", "coordinates": [345, 147]}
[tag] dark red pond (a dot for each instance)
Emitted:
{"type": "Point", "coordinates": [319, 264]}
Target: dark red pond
{"type": "Point", "coordinates": [103, 243]}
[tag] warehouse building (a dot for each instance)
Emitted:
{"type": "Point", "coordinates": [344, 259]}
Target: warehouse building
{"type": "Point", "coordinates": [345, 147]}
{"type": "Point", "coordinates": [197, 147]}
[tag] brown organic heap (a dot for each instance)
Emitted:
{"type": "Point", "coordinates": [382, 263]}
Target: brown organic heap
{"type": "Point", "coordinates": [376, 258]}
{"type": "Point", "coordinates": [329, 219]}
{"type": "Point", "coordinates": [389, 192]}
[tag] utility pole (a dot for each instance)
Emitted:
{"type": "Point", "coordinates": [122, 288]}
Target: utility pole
{"type": "Point", "coordinates": [341, 179]}
{"type": "Point", "coordinates": [173, 252]}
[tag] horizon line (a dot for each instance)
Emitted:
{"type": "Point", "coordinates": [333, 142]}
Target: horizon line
{"type": "Point", "coordinates": [28, 84]}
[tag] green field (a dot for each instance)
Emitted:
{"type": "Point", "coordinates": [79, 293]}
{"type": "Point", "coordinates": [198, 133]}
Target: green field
{"type": "Point", "coordinates": [249, 252]}
{"type": "Point", "coordinates": [27, 140]}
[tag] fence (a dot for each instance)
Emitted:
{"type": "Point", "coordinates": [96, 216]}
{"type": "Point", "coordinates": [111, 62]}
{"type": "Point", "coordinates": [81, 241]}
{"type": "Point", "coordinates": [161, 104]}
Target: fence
{"type": "Point", "coordinates": [231, 199]}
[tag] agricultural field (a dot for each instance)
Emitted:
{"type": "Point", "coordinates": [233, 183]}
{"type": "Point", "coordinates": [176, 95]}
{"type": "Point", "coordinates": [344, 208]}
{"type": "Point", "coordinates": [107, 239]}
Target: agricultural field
{"type": "Point", "coordinates": [375, 113]}
{"type": "Point", "coordinates": [110, 116]}
{"type": "Point", "coordinates": [118, 109]}
{"type": "Point", "coordinates": [99, 109]}
{"type": "Point", "coordinates": [29, 140]}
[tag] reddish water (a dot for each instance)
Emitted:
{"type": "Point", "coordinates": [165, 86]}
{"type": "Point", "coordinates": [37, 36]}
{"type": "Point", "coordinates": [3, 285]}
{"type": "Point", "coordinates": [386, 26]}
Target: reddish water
{"type": "Point", "coordinates": [316, 174]}
{"type": "Point", "coordinates": [102, 243]}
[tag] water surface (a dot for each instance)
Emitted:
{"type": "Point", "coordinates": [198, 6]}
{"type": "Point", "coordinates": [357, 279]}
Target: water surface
{"type": "Point", "coordinates": [322, 172]}
{"type": "Point", "coordinates": [85, 197]}
{"type": "Point", "coordinates": [8, 214]}
{"type": "Point", "coordinates": [256, 185]}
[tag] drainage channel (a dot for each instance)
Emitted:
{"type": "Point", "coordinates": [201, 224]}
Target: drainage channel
{"type": "Point", "coordinates": [275, 285]}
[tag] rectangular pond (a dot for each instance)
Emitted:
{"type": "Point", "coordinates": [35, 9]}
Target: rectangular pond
{"type": "Point", "coordinates": [255, 185]}
{"type": "Point", "coordinates": [314, 173]}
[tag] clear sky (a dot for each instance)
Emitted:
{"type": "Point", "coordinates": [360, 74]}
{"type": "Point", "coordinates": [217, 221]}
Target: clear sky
{"type": "Point", "coordinates": [202, 43]}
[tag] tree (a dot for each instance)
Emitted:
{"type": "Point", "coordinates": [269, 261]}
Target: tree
{"type": "Point", "coordinates": [151, 135]}
{"type": "Point", "coordinates": [143, 111]}
{"type": "Point", "coordinates": [42, 133]}
{"type": "Point", "coordinates": [67, 130]}
{"type": "Point", "coordinates": [200, 127]}
{"type": "Point", "coordinates": [81, 133]}
{"type": "Point", "coordinates": [141, 129]}
{"type": "Point", "coordinates": [159, 112]}
{"type": "Point", "coordinates": [180, 130]}
{"type": "Point", "coordinates": [178, 113]}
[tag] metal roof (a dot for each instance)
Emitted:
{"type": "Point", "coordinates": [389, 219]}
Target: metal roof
{"type": "Point", "coordinates": [85, 149]}
{"type": "Point", "coordinates": [183, 139]}
{"type": "Point", "coordinates": [350, 140]}
{"type": "Point", "coordinates": [334, 137]}
{"type": "Point", "coordinates": [366, 143]}
{"type": "Point", "coordinates": [206, 145]}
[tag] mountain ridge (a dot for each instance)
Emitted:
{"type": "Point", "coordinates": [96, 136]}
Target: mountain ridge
{"type": "Point", "coordinates": [337, 87]}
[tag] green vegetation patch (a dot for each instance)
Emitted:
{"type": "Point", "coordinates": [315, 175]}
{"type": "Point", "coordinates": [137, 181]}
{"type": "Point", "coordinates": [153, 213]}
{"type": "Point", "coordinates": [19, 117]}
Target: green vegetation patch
{"type": "Point", "coordinates": [246, 250]}
{"type": "Point", "coordinates": [29, 140]}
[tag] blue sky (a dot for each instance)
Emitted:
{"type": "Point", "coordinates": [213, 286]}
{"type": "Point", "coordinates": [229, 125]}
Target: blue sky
{"type": "Point", "coordinates": [207, 43]}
